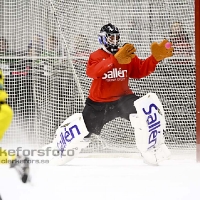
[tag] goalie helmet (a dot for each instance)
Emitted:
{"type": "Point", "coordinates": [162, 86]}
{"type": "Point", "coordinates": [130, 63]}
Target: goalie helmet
{"type": "Point", "coordinates": [109, 36]}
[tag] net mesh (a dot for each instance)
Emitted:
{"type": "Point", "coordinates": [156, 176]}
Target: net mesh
{"type": "Point", "coordinates": [44, 50]}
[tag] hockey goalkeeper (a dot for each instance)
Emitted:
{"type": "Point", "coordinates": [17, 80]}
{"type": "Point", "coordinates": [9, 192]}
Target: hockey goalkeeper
{"type": "Point", "coordinates": [110, 97]}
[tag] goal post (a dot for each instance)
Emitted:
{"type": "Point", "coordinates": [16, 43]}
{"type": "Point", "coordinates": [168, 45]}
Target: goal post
{"type": "Point", "coordinates": [49, 43]}
{"type": "Point", "coordinates": [197, 53]}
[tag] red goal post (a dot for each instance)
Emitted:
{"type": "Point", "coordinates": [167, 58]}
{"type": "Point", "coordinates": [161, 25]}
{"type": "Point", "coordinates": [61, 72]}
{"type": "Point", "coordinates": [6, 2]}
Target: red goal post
{"type": "Point", "coordinates": [197, 56]}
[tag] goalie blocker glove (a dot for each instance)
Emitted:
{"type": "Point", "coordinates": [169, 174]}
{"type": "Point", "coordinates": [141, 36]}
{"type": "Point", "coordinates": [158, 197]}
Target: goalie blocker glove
{"type": "Point", "coordinates": [125, 54]}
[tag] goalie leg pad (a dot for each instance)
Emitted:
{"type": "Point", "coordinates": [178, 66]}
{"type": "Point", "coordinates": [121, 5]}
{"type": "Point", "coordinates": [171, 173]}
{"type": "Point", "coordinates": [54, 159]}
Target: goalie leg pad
{"type": "Point", "coordinates": [156, 155]}
{"type": "Point", "coordinates": [149, 123]}
{"type": "Point", "coordinates": [68, 141]}
{"type": "Point", "coordinates": [68, 154]}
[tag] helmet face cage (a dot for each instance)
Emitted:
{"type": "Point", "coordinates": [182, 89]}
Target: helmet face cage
{"type": "Point", "coordinates": [113, 39]}
{"type": "Point", "coordinates": [109, 36]}
{"type": "Point", "coordinates": [109, 39]}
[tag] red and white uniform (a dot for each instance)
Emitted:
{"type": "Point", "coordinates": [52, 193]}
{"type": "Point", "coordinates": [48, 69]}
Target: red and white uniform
{"type": "Point", "coordinates": [110, 79]}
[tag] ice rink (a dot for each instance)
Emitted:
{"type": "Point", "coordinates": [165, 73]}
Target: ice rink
{"type": "Point", "coordinates": [106, 179]}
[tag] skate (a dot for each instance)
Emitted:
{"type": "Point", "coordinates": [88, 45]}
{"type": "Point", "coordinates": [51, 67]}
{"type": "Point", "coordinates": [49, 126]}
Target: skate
{"type": "Point", "coordinates": [21, 165]}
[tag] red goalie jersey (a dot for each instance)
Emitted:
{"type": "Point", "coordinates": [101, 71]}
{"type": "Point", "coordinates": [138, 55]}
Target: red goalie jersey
{"type": "Point", "coordinates": [110, 79]}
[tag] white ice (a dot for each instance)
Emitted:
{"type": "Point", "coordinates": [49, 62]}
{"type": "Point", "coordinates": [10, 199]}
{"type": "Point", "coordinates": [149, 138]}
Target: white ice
{"type": "Point", "coordinates": [106, 179]}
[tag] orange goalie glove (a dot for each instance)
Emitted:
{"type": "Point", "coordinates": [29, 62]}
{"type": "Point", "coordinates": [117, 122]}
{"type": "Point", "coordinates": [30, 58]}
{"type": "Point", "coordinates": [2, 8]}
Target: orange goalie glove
{"type": "Point", "coordinates": [125, 54]}
{"type": "Point", "coordinates": [162, 50]}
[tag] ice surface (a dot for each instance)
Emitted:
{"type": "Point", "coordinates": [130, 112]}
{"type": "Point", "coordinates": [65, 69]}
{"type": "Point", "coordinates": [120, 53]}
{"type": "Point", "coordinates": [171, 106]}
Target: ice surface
{"type": "Point", "coordinates": [105, 179]}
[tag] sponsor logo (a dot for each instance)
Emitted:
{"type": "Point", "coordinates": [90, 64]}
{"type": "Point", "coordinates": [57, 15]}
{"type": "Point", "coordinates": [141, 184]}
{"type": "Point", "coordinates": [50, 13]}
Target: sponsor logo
{"type": "Point", "coordinates": [153, 122]}
{"type": "Point", "coordinates": [68, 134]}
{"type": "Point", "coordinates": [115, 75]}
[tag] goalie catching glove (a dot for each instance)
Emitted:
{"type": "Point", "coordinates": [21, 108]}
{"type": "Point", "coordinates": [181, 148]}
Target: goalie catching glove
{"type": "Point", "coordinates": [125, 54]}
{"type": "Point", "coordinates": [162, 50]}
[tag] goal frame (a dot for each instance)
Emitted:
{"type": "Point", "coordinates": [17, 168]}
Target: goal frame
{"type": "Point", "coordinates": [54, 24]}
{"type": "Point", "coordinates": [197, 56]}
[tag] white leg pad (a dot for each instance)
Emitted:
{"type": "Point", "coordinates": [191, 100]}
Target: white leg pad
{"type": "Point", "coordinates": [69, 153]}
{"type": "Point", "coordinates": [149, 123]}
{"type": "Point", "coordinates": [155, 156]}
{"type": "Point", "coordinates": [68, 141]}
